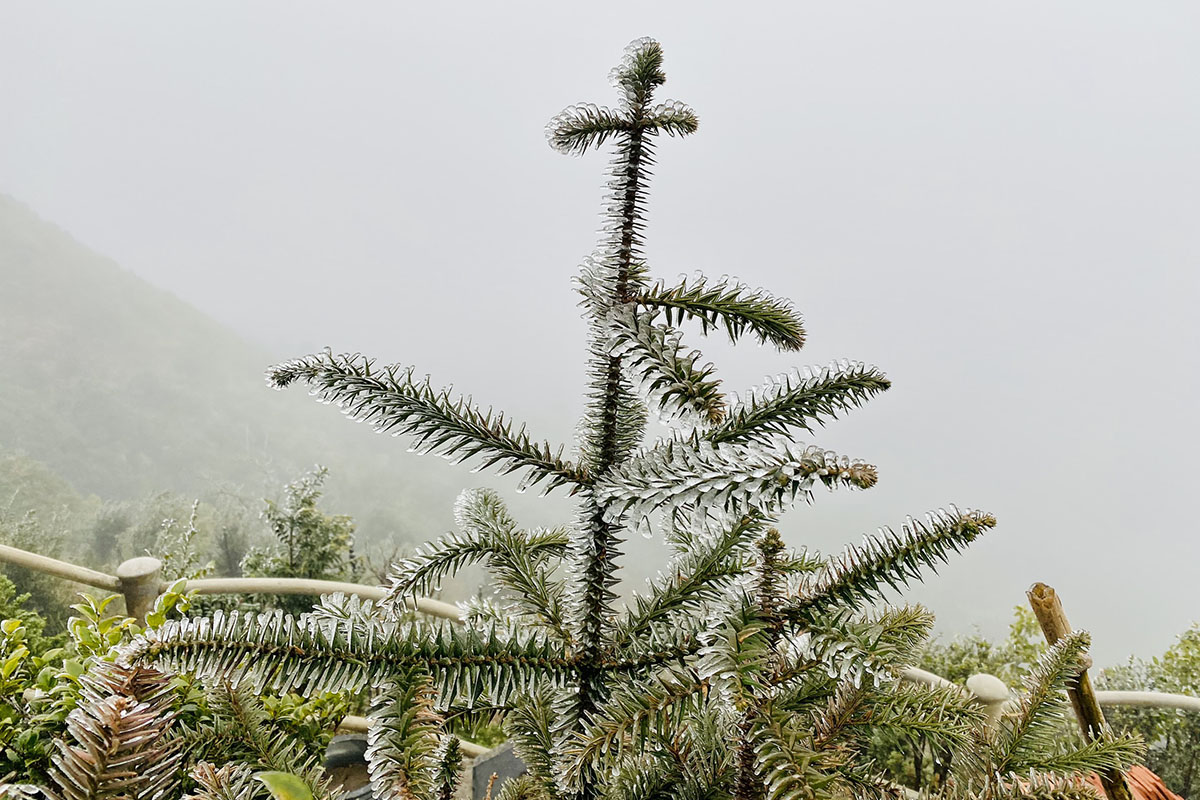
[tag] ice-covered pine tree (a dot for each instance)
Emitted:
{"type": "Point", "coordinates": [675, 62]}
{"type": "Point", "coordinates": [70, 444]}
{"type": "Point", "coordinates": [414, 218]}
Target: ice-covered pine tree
{"type": "Point", "coordinates": [746, 671]}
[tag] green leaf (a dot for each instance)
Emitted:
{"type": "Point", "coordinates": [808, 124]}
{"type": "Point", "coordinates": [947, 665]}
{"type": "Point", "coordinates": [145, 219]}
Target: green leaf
{"type": "Point", "coordinates": [285, 786]}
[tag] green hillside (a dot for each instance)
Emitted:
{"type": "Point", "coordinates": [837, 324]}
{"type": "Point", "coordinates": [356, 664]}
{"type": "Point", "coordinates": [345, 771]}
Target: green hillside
{"type": "Point", "coordinates": [124, 390]}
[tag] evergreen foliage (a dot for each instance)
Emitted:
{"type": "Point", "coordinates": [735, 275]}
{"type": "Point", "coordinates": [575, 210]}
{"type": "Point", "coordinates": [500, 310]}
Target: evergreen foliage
{"type": "Point", "coordinates": [308, 543]}
{"type": "Point", "coordinates": [748, 671]}
{"type": "Point", "coordinates": [1173, 736]}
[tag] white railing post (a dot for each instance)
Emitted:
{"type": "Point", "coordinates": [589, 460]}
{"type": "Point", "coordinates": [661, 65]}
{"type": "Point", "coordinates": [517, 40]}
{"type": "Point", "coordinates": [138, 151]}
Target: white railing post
{"type": "Point", "coordinates": [140, 581]}
{"type": "Point", "coordinates": [991, 693]}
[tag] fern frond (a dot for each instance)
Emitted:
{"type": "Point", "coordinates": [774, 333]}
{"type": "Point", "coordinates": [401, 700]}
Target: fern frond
{"type": "Point", "coordinates": [402, 740]}
{"type": "Point", "coordinates": [859, 575]}
{"type": "Point", "coordinates": [666, 372]}
{"type": "Point", "coordinates": [731, 477]}
{"type": "Point", "coordinates": [393, 400]}
{"type": "Point", "coordinates": [797, 401]}
{"type": "Point", "coordinates": [730, 305]}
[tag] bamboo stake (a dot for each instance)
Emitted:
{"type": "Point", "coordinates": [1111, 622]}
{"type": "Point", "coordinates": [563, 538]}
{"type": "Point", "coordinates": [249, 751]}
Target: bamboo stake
{"type": "Point", "coordinates": [1049, 612]}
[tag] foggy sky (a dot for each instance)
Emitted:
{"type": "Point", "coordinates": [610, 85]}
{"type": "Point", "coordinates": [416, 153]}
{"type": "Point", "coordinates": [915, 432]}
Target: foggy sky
{"type": "Point", "coordinates": [995, 202]}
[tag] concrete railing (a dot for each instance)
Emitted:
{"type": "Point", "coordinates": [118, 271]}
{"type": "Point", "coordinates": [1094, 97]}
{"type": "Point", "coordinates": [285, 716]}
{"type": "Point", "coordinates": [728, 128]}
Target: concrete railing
{"type": "Point", "coordinates": [140, 581]}
{"type": "Point", "coordinates": [991, 693]}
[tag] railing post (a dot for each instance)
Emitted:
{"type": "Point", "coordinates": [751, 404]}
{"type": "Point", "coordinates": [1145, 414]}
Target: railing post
{"type": "Point", "coordinates": [1050, 615]}
{"type": "Point", "coordinates": [991, 693]}
{"type": "Point", "coordinates": [140, 579]}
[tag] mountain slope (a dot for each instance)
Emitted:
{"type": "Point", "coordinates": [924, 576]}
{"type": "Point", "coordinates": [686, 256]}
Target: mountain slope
{"type": "Point", "coordinates": [124, 389]}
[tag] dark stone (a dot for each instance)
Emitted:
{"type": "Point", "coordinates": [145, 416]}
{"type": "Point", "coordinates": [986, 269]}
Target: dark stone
{"type": "Point", "coordinates": [346, 763]}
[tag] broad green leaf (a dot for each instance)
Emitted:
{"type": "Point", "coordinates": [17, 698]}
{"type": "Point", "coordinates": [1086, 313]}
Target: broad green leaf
{"type": "Point", "coordinates": [285, 786]}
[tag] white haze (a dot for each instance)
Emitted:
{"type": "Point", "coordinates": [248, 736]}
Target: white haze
{"type": "Point", "coordinates": [996, 202]}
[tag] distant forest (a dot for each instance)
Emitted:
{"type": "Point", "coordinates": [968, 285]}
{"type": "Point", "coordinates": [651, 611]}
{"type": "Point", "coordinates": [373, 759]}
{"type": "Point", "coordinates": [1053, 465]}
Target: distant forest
{"type": "Point", "coordinates": [121, 406]}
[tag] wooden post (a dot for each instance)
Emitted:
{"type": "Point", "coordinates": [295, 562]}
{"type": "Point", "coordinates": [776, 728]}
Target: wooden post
{"type": "Point", "coordinates": [140, 580]}
{"type": "Point", "coordinates": [1049, 611]}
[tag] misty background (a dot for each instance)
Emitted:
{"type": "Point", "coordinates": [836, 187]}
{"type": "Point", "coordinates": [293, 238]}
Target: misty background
{"type": "Point", "coordinates": [996, 203]}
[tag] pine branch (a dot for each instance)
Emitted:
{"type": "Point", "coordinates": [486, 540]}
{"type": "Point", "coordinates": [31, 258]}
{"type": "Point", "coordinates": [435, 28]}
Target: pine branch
{"type": "Point", "coordinates": [737, 656]}
{"type": "Point", "coordinates": [732, 306]}
{"type": "Point", "coordinates": [639, 72]}
{"type": "Point", "coordinates": [783, 758]}
{"type": "Point", "coordinates": [942, 717]}
{"type": "Point", "coordinates": [614, 424]}
{"type": "Point", "coordinates": [796, 401]}
{"type": "Point", "coordinates": [394, 401]}
{"type": "Point", "coordinates": [636, 715]}
{"type": "Point", "coordinates": [672, 118]}
{"type": "Point", "coordinates": [869, 648]}
{"type": "Point", "coordinates": [529, 726]}
{"type": "Point", "coordinates": [695, 579]}
{"type": "Point", "coordinates": [859, 575]}
{"type": "Point", "coordinates": [834, 721]}
{"type": "Point", "coordinates": [1030, 787]}
{"type": "Point", "coordinates": [515, 559]}
{"type": "Point", "coordinates": [239, 715]}
{"type": "Point", "coordinates": [119, 750]}
{"type": "Point", "coordinates": [661, 644]}
{"type": "Point", "coordinates": [666, 372]}
{"type": "Point", "coordinates": [736, 479]}
{"type": "Point", "coordinates": [1109, 752]}
{"type": "Point", "coordinates": [402, 741]}
{"type": "Point", "coordinates": [1034, 726]}
{"type": "Point", "coordinates": [326, 654]}
{"type": "Point", "coordinates": [648, 776]}
{"type": "Point", "coordinates": [23, 791]}
{"type": "Point", "coordinates": [579, 128]}
{"type": "Point", "coordinates": [1030, 738]}
{"type": "Point", "coordinates": [229, 782]}
{"type": "Point", "coordinates": [522, 787]}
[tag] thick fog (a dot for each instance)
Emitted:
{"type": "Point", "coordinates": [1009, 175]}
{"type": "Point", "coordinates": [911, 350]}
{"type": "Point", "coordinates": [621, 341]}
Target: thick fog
{"type": "Point", "coordinates": [995, 202]}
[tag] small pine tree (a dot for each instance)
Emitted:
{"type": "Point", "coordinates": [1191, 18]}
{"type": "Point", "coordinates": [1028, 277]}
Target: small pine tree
{"type": "Point", "coordinates": [747, 670]}
{"type": "Point", "coordinates": [308, 542]}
